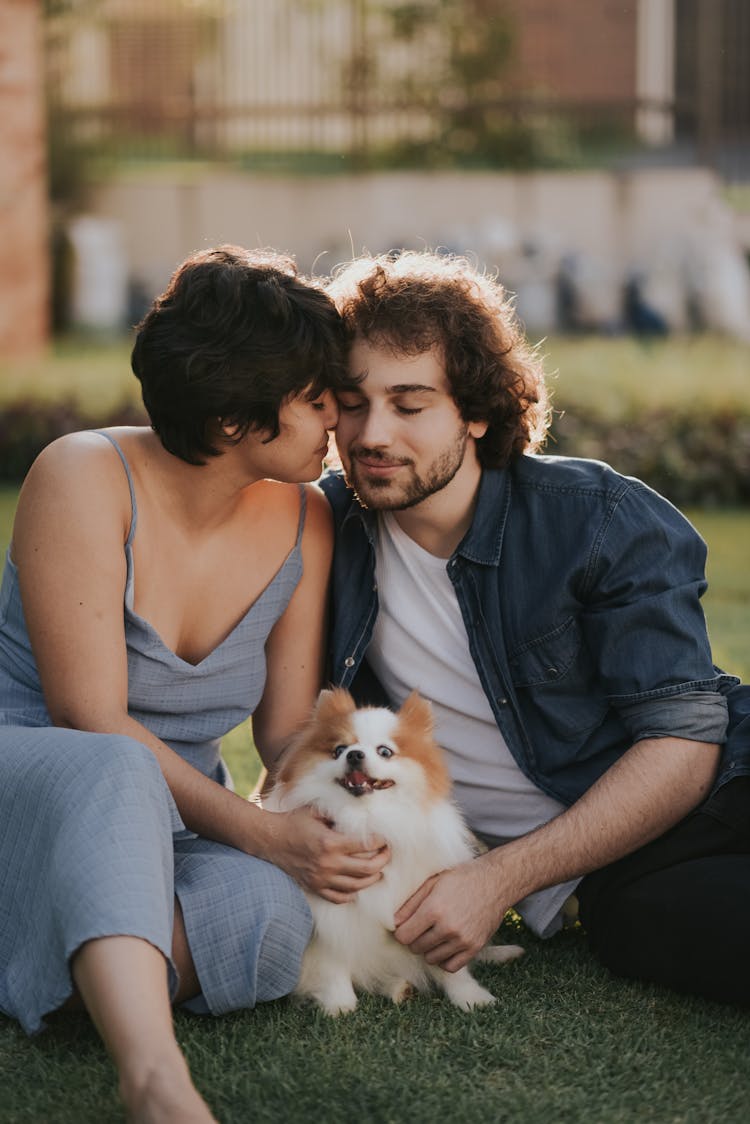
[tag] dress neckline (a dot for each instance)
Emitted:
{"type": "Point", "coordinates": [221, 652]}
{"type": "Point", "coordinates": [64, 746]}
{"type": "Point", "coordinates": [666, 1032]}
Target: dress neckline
{"type": "Point", "coordinates": [156, 635]}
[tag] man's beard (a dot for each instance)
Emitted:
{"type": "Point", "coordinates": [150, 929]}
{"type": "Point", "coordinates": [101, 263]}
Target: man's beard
{"type": "Point", "coordinates": [390, 495]}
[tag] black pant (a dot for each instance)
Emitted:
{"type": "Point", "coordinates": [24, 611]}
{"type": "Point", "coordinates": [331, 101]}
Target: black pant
{"type": "Point", "coordinates": [677, 912]}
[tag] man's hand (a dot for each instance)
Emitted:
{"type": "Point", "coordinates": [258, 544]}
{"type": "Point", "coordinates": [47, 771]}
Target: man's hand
{"type": "Point", "coordinates": [649, 789]}
{"type": "Point", "coordinates": [452, 915]}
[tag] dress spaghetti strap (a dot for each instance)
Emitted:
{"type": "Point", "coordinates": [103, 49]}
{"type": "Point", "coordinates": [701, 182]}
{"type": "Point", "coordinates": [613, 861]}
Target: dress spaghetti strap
{"type": "Point", "coordinates": [126, 466]}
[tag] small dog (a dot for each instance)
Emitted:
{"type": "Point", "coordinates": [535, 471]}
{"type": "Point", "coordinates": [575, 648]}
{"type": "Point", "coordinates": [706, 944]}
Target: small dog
{"type": "Point", "coordinates": [370, 771]}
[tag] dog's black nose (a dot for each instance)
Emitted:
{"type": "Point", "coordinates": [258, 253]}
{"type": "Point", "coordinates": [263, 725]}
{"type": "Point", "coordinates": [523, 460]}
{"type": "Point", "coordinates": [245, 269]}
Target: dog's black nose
{"type": "Point", "coordinates": [355, 757]}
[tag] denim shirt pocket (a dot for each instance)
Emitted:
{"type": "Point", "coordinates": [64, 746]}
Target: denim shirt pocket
{"type": "Point", "coordinates": [555, 679]}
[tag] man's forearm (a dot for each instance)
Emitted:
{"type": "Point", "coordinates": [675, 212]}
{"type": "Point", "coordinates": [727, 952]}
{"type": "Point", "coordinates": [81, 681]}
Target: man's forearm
{"type": "Point", "coordinates": [653, 786]}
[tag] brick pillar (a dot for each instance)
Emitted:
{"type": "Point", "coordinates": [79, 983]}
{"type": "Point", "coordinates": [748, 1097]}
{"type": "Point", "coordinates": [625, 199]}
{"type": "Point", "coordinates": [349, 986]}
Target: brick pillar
{"type": "Point", "coordinates": [24, 220]}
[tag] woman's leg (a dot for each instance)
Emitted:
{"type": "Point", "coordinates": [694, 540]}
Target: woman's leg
{"type": "Point", "coordinates": [247, 926]}
{"type": "Point", "coordinates": [123, 984]}
{"type": "Point", "coordinates": [87, 886]}
{"type": "Point", "coordinates": [85, 852]}
{"type": "Point", "coordinates": [188, 987]}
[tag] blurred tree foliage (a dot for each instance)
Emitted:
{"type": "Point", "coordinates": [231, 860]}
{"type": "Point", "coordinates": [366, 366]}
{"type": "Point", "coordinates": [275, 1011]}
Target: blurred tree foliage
{"type": "Point", "coordinates": [695, 456]}
{"type": "Point", "coordinates": [484, 122]}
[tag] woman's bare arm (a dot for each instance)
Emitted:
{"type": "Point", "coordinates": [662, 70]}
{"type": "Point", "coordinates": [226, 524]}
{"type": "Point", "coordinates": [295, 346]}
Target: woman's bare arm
{"type": "Point", "coordinates": [71, 524]}
{"type": "Point", "coordinates": [295, 651]}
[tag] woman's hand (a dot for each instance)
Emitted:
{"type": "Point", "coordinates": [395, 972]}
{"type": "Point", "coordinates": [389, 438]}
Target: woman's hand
{"type": "Point", "coordinates": [321, 859]}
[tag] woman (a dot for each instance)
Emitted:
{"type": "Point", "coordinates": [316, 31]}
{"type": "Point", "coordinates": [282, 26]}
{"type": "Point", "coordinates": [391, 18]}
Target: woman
{"type": "Point", "coordinates": [161, 585]}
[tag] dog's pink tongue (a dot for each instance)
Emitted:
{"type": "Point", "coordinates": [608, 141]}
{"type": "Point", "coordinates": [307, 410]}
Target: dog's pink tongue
{"type": "Point", "coordinates": [355, 777]}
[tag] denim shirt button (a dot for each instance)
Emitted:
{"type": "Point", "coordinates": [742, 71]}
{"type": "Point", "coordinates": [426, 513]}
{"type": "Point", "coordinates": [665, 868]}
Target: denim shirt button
{"type": "Point", "coordinates": [502, 701]}
{"type": "Point", "coordinates": [348, 662]}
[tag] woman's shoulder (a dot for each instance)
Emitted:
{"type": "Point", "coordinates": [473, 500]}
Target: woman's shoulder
{"type": "Point", "coordinates": [78, 479]}
{"type": "Point", "coordinates": [80, 452]}
{"type": "Point", "coordinates": [283, 515]}
{"type": "Point", "coordinates": [292, 502]}
{"type": "Point", "coordinates": [319, 518]}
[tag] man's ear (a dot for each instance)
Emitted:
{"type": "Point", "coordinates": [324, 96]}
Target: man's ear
{"type": "Point", "coordinates": [478, 429]}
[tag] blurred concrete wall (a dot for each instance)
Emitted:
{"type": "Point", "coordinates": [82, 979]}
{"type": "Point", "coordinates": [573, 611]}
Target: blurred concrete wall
{"type": "Point", "coordinates": [24, 255]}
{"type": "Point", "coordinates": [669, 229]}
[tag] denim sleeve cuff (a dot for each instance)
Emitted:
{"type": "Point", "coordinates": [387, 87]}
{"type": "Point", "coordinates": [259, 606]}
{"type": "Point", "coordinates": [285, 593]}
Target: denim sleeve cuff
{"type": "Point", "coordinates": [700, 716]}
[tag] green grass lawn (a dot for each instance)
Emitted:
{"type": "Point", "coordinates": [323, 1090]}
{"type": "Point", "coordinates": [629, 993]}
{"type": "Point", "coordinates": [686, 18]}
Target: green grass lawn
{"type": "Point", "coordinates": [95, 373]}
{"type": "Point", "coordinates": [616, 376]}
{"type": "Point", "coordinates": [566, 1042]}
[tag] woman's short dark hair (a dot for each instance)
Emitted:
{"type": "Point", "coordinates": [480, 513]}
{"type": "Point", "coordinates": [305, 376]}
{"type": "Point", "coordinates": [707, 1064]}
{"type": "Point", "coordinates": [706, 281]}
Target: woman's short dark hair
{"type": "Point", "coordinates": [235, 334]}
{"type": "Point", "coordinates": [411, 302]}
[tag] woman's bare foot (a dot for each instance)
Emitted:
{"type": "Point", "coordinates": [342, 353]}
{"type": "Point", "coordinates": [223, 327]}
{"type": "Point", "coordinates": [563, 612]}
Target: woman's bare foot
{"type": "Point", "coordinates": [163, 1093]}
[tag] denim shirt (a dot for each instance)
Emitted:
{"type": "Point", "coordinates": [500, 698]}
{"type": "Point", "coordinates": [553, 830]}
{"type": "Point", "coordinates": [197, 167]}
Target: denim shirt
{"type": "Point", "coordinates": [580, 592]}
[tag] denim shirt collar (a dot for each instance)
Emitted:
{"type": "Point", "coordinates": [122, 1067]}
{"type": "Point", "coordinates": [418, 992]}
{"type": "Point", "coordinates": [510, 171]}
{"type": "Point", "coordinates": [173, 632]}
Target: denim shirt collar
{"type": "Point", "coordinates": [483, 542]}
{"type": "Point", "coordinates": [367, 517]}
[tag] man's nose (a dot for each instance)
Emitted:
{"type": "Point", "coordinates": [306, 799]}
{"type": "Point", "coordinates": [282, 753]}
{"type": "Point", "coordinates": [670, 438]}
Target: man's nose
{"type": "Point", "coordinates": [375, 430]}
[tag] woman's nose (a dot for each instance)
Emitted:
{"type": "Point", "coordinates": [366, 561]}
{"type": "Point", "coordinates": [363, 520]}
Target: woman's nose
{"type": "Point", "coordinates": [331, 413]}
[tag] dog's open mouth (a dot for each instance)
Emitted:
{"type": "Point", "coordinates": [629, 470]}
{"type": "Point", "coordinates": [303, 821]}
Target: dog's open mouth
{"type": "Point", "coordinates": [358, 783]}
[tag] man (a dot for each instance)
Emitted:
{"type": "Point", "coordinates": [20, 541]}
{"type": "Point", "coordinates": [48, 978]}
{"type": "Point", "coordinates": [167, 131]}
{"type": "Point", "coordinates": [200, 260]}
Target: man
{"type": "Point", "coordinates": [549, 608]}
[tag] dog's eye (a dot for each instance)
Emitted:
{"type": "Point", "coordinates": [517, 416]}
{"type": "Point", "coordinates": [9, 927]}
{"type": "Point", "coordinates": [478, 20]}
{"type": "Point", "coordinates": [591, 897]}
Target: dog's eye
{"type": "Point", "coordinates": [384, 751]}
{"type": "Point", "coordinates": [338, 751]}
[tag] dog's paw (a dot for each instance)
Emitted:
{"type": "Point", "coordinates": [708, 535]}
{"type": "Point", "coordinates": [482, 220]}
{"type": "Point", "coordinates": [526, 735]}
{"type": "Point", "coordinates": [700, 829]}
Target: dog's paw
{"type": "Point", "coordinates": [336, 1009]}
{"type": "Point", "coordinates": [499, 953]}
{"type": "Point", "coordinates": [462, 989]}
{"type": "Point", "coordinates": [401, 990]}
{"type": "Point", "coordinates": [470, 999]}
{"type": "Point", "coordinates": [336, 1000]}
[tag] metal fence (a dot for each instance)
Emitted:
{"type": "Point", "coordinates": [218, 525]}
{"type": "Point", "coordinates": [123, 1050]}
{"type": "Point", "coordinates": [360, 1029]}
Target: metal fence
{"type": "Point", "coordinates": [216, 78]}
{"type": "Point", "coordinates": [361, 83]}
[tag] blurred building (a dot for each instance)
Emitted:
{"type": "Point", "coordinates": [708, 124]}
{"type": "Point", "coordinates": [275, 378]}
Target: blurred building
{"type": "Point", "coordinates": [24, 252]}
{"type": "Point", "coordinates": [581, 147]}
{"type": "Point", "coordinates": [382, 81]}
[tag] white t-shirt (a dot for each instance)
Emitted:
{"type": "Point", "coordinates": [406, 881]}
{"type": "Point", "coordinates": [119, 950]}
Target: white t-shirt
{"type": "Point", "coordinates": [420, 642]}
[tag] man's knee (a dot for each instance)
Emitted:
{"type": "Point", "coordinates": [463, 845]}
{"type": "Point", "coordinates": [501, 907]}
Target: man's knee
{"type": "Point", "coordinates": [686, 927]}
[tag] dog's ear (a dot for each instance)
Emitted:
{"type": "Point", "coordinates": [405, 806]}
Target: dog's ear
{"type": "Point", "coordinates": [334, 702]}
{"type": "Point", "coordinates": [418, 713]}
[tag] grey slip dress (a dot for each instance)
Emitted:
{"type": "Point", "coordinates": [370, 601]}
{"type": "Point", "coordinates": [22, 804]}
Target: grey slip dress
{"type": "Point", "coordinates": [91, 841]}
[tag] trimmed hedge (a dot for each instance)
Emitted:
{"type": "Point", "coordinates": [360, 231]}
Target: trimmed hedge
{"type": "Point", "coordinates": [27, 426]}
{"type": "Point", "coordinates": [693, 458]}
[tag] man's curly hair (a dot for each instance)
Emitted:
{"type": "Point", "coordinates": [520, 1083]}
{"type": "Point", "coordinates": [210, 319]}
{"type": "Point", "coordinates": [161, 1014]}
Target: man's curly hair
{"type": "Point", "coordinates": [413, 301]}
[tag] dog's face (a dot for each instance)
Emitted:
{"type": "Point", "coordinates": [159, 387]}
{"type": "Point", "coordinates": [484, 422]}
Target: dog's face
{"type": "Point", "coordinates": [366, 752]}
